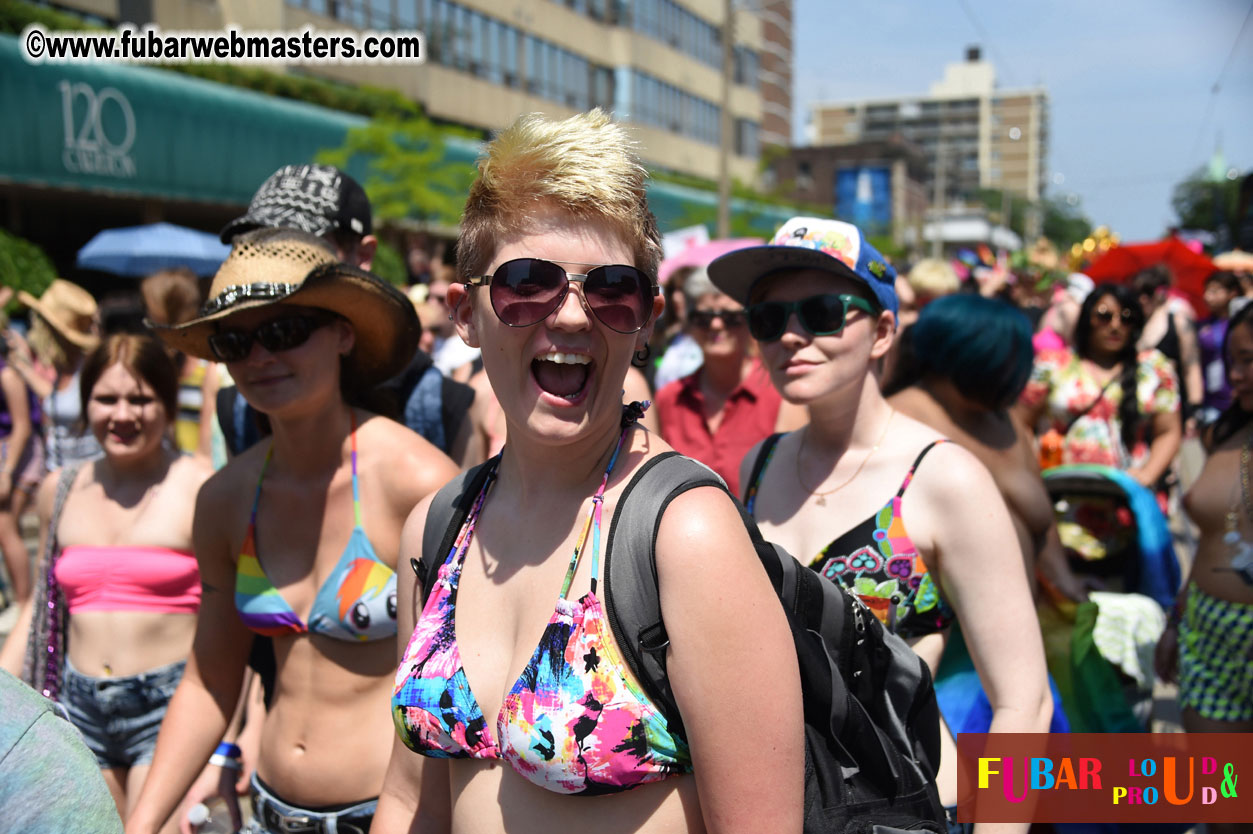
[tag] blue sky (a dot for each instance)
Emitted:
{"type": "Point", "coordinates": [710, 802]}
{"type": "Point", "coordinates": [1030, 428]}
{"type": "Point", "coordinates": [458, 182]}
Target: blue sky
{"type": "Point", "coordinates": [1129, 82]}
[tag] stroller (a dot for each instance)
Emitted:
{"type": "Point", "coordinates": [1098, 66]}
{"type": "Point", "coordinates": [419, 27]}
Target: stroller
{"type": "Point", "coordinates": [1101, 651]}
{"type": "Point", "coordinates": [1114, 531]}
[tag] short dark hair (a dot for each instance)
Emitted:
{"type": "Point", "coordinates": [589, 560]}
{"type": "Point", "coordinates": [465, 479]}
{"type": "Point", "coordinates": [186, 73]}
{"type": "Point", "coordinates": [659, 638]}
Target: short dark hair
{"type": "Point", "coordinates": [1150, 280]}
{"type": "Point", "coordinates": [1229, 281]}
{"type": "Point", "coordinates": [144, 357]}
{"type": "Point", "coordinates": [981, 345]}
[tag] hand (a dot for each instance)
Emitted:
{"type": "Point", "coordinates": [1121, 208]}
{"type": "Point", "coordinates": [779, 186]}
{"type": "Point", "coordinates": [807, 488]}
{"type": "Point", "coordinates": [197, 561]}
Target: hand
{"type": "Point", "coordinates": [1166, 656]}
{"type": "Point", "coordinates": [1139, 476]}
{"type": "Point", "coordinates": [213, 782]}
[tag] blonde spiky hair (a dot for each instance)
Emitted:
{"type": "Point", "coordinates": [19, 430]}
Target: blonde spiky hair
{"type": "Point", "coordinates": [584, 166]}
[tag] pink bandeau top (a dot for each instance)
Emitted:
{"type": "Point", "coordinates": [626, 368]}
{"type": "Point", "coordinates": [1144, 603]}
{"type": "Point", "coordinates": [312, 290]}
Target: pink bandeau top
{"type": "Point", "coordinates": [129, 578]}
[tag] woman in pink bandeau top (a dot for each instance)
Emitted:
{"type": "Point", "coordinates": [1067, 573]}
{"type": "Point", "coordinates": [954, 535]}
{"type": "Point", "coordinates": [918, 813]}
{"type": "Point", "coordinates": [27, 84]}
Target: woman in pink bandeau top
{"type": "Point", "coordinates": [118, 567]}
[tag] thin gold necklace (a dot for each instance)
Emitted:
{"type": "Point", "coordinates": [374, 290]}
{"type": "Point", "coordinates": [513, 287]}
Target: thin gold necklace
{"type": "Point", "coordinates": [822, 496]}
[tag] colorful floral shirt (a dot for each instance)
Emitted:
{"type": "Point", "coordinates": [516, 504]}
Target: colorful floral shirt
{"type": "Point", "coordinates": [1063, 382]}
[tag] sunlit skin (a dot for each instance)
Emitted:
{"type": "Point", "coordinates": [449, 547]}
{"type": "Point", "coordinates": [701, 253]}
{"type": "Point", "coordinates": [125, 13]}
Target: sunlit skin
{"type": "Point", "coordinates": [324, 738]}
{"type": "Point", "coordinates": [140, 494]}
{"type": "Point", "coordinates": [291, 382]}
{"type": "Point", "coordinates": [858, 451]}
{"type": "Point", "coordinates": [553, 462]}
{"type": "Point", "coordinates": [1218, 298]}
{"type": "Point", "coordinates": [508, 352]}
{"type": "Point", "coordinates": [718, 338]}
{"type": "Point", "coordinates": [1214, 502]}
{"type": "Point", "coordinates": [1109, 338]}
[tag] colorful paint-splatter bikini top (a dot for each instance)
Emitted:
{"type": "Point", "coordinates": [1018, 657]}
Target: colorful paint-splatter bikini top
{"type": "Point", "coordinates": [879, 562]}
{"type": "Point", "coordinates": [356, 602]}
{"type": "Point", "coordinates": [573, 723]}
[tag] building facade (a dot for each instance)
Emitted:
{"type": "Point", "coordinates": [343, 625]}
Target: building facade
{"type": "Point", "coordinates": [776, 72]}
{"type": "Point", "coordinates": [879, 185]}
{"type": "Point", "coordinates": [657, 64]}
{"type": "Point", "coordinates": [974, 134]}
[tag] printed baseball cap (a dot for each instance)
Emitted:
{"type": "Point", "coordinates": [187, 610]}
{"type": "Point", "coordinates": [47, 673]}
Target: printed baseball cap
{"type": "Point", "coordinates": [808, 243]}
{"type": "Point", "coordinates": [310, 198]}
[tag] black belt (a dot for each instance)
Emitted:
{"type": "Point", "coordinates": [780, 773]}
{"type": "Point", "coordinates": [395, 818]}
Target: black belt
{"type": "Point", "coordinates": [277, 816]}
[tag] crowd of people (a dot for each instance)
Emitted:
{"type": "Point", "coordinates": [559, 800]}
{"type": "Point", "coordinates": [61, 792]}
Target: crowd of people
{"type": "Point", "coordinates": [248, 581]}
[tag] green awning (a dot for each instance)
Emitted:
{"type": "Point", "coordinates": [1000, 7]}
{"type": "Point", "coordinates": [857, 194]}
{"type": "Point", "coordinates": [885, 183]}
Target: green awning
{"type": "Point", "coordinates": [148, 132]}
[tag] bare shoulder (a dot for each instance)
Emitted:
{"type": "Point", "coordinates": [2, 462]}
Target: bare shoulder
{"type": "Point", "coordinates": [233, 485]}
{"type": "Point", "coordinates": [696, 524]}
{"type": "Point", "coordinates": [912, 402]}
{"type": "Point", "coordinates": [409, 466]}
{"type": "Point", "coordinates": [190, 472]}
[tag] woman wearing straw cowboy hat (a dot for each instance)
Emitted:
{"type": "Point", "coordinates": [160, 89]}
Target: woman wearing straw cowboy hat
{"type": "Point", "coordinates": [305, 529]}
{"type": "Point", "coordinates": [62, 331]}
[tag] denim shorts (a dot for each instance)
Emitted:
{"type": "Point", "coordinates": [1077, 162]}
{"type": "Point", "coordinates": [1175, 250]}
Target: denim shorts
{"type": "Point", "coordinates": [120, 717]}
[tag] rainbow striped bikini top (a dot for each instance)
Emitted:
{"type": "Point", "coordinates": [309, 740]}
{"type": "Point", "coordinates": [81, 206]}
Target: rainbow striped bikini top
{"type": "Point", "coordinates": [356, 602]}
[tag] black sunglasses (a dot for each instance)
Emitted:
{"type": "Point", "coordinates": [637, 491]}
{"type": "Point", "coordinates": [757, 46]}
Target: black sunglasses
{"type": "Point", "coordinates": [821, 315]}
{"type": "Point", "coordinates": [1105, 315]}
{"type": "Point", "coordinates": [525, 291]}
{"type": "Point", "coordinates": [275, 335]}
{"type": "Point", "coordinates": [705, 318]}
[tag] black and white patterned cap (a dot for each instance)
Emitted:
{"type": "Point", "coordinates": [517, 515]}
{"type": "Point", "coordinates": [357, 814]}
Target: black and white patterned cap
{"type": "Point", "coordinates": [310, 198]}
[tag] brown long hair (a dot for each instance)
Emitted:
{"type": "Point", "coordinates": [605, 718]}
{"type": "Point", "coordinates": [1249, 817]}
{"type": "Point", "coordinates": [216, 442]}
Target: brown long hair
{"type": "Point", "coordinates": [140, 354]}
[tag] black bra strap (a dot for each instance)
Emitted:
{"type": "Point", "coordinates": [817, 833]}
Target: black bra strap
{"type": "Point", "coordinates": [759, 464]}
{"type": "Point", "coordinates": [900, 493]}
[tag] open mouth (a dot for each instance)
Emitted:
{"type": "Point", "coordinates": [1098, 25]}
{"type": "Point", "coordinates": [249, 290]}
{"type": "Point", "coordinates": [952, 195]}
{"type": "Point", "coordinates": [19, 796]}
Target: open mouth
{"type": "Point", "coordinates": [563, 375]}
{"type": "Point", "coordinates": [123, 435]}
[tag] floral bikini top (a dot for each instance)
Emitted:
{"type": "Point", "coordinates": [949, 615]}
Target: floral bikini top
{"type": "Point", "coordinates": [572, 723]}
{"type": "Point", "coordinates": [878, 561]}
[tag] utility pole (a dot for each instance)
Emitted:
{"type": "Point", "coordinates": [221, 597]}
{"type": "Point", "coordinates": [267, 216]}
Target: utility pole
{"type": "Point", "coordinates": [941, 183]}
{"type": "Point", "coordinates": [724, 140]}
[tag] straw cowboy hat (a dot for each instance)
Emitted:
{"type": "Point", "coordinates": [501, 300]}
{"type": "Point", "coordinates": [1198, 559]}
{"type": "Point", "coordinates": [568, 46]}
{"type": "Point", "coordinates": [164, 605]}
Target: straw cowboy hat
{"type": "Point", "coordinates": [69, 310]}
{"type": "Point", "coordinates": [285, 266]}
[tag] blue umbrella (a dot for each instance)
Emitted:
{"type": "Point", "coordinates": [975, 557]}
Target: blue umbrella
{"type": "Point", "coordinates": [142, 250]}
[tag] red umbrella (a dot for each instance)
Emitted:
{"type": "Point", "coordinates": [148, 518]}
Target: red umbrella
{"type": "Point", "coordinates": [1190, 269]}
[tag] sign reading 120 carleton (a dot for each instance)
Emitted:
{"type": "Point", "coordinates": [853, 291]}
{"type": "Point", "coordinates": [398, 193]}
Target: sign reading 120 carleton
{"type": "Point", "coordinates": [99, 130]}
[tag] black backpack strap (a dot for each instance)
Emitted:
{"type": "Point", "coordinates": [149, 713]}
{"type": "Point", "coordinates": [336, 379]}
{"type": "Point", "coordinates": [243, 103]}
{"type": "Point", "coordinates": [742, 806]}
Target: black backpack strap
{"type": "Point", "coordinates": [632, 598]}
{"type": "Point", "coordinates": [759, 466]}
{"type": "Point", "coordinates": [447, 513]}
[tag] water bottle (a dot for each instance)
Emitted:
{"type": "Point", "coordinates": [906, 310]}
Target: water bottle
{"type": "Point", "coordinates": [210, 819]}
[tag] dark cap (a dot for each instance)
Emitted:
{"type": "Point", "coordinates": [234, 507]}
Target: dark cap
{"type": "Point", "coordinates": [310, 198]}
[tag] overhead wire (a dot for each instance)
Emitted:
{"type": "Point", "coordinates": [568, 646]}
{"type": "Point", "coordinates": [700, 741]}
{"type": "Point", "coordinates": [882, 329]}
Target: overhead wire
{"type": "Point", "coordinates": [1217, 86]}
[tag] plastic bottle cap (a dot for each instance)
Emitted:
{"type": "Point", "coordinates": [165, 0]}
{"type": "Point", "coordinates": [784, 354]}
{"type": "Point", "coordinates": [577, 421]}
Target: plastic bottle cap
{"type": "Point", "coordinates": [198, 814]}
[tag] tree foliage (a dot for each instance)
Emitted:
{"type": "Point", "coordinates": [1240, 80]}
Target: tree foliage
{"type": "Point", "coordinates": [408, 177]}
{"type": "Point", "coordinates": [23, 265]}
{"type": "Point", "coordinates": [1203, 203]}
{"type": "Point", "coordinates": [1064, 224]}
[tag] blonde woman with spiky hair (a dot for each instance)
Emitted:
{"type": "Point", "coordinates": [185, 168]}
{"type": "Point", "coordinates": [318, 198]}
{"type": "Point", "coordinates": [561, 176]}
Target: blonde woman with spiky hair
{"type": "Point", "coordinates": [524, 699]}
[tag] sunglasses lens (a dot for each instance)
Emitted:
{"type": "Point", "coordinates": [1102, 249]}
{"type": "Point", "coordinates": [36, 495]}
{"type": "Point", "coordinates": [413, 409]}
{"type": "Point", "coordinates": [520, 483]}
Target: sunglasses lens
{"type": "Point", "coordinates": [286, 333]}
{"type": "Point", "coordinates": [619, 295]}
{"type": "Point", "coordinates": [822, 315]}
{"type": "Point", "coordinates": [766, 321]}
{"type": "Point", "coordinates": [230, 345]}
{"type": "Point", "coordinates": [526, 291]}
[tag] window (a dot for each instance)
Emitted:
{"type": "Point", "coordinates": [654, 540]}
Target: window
{"type": "Point", "coordinates": [746, 142]}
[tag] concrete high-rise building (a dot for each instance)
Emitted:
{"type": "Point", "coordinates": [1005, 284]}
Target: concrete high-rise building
{"type": "Point", "coordinates": [776, 72]}
{"type": "Point", "coordinates": [974, 134]}
{"type": "Point", "coordinates": [657, 64]}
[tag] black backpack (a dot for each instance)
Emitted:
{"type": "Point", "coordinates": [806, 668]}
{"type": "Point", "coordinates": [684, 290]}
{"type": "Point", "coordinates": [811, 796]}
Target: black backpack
{"type": "Point", "coordinates": [872, 736]}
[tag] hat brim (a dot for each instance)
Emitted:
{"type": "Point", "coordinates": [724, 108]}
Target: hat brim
{"type": "Point", "coordinates": [86, 341]}
{"type": "Point", "coordinates": [237, 227]}
{"type": "Point", "coordinates": [383, 319]}
{"type": "Point", "coordinates": [735, 273]}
